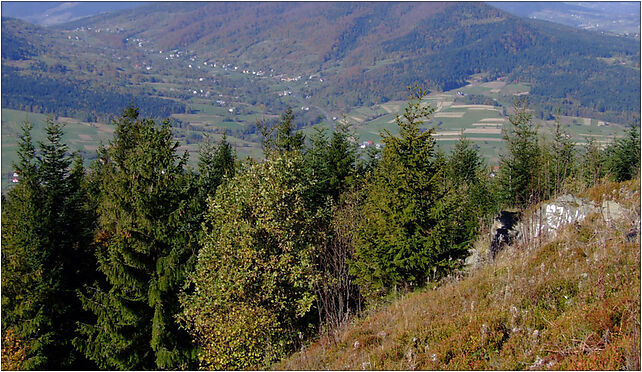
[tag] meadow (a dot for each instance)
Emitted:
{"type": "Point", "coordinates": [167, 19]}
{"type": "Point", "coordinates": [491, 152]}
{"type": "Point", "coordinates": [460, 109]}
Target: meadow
{"type": "Point", "coordinates": [481, 124]}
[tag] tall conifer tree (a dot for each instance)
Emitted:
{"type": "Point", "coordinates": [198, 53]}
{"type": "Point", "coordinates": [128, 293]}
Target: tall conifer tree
{"type": "Point", "coordinates": [403, 236]}
{"type": "Point", "coordinates": [331, 163]}
{"type": "Point", "coordinates": [520, 167]}
{"type": "Point", "coordinates": [44, 252]}
{"type": "Point", "coordinates": [623, 156]}
{"type": "Point", "coordinates": [144, 249]}
{"type": "Point", "coordinates": [214, 163]}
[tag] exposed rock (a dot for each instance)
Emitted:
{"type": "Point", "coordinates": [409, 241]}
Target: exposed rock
{"type": "Point", "coordinates": [546, 221]}
{"type": "Point", "coordinates": [551, 216]}
{"type": "Point", "coordinates": [503, 232]}
{"type": "Point", "coordinates": [473, 259]}
{"type": "Point", "coordinates": [612, 211]}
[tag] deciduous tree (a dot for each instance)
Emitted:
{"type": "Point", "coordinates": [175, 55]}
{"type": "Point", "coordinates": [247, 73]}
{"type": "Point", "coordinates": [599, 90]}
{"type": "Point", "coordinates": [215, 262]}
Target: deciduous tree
{"type": "Point", "coordinates": [253, 284]}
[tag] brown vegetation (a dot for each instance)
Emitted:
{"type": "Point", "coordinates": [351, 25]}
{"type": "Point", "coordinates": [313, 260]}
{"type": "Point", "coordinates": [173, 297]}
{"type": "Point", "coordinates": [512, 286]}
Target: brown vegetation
{"type": "Point", "coordinates": [572, 302]}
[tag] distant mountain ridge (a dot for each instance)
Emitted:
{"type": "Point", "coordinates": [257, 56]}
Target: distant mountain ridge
{"type": "Point", "coordinates": [47, 13]}
{"type": "Point", "coordinates": [621, 17]}
{"type": "Point", "coordinates": [369, 52]}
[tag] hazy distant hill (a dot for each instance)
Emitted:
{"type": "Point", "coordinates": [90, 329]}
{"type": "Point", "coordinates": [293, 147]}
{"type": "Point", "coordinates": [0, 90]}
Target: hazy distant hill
{"type": "Point", "coordinates": [55, 12]}
{"type": "Point", "coordinates": [616, 17]}
{"type": "Point", "coordinates": [373, 50]}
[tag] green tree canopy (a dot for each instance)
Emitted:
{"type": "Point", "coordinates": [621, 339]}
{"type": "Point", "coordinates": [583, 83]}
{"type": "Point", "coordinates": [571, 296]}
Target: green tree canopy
{"type": "Point", "coordinates": [403, 237]}
{"type": "Point", "coordinates": [45, 256]}
{"type": "Point", "coordinates": [623, 156]}
{"type": "Point", "coordinates": [144, 249]}
{"type": "Point", "coordinates": [214, 163]}
{"type": "Point", "coordinates": [285, 139]}
{"type": "Point", "coordinates": [519, 167]}
{"type": "Point", "coordinates": [253, 284]}
{"type": "Point", "coordinates": [331, 163]}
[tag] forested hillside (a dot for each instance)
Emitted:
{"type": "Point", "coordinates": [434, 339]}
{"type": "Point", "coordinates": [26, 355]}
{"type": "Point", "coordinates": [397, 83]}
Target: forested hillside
{"type": "Point", "coordinates": [220, 185]}
{"type": "Point", "coordinates": [363, 53]}
{"type": "Point", "coordinates": [139, 261]}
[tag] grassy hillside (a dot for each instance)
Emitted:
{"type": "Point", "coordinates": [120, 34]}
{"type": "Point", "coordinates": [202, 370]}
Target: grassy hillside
{"type": "Point", "coordinates": [572, 302]}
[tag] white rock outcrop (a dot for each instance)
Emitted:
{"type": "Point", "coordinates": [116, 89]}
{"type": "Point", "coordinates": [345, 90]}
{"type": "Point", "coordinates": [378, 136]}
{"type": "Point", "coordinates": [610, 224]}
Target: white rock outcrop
{"type": "Point", "coordinates": [565, 209]}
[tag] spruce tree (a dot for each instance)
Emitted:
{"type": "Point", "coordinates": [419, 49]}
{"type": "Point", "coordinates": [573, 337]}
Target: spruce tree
{"type": "Point", "coordinates": [70, 228]}
{"type": "Point", "coordinates": [144, 249]}
{"type": "Point", "coordinates": [403, 236]}
{"type": "Point", "coordinates": [341, 157]}
{"type": "Point", "coordinates": [469, 183]}
{"type": "Point", "coordinates": [520, 168]}
{"type": "Point", "coordinates": [331, 166]}
{"type": "Point", "coordinates": [623, 156]}
{"type": "Point", "coordinates": [25, 284]}
{"type": "Point", "coordinates": [45, 257]}
{"type": "Point", "coordinates": [214, 163]}
{"type": "Point", "coordinates": [593, 162]}
{"type": "Point", "coordinates": [464, 163]}
{"type": "Point", "coordinates": [331, 163]}
{"type": "Point", "coordinates": [563, 153]}
{"type": "Point", "coordinates": [285, 139]}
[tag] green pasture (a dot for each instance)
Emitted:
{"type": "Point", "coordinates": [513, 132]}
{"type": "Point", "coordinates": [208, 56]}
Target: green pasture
{"type": "Point", "coordinates": [79, 136]}
{"type": "Point", "coordinates": [366, 122]}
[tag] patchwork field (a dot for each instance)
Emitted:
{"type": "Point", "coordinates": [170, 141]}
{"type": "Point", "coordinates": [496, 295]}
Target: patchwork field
{"type": "Point", "coordinates": [483, 124]}
{"type": "Point", "coordinates": [85, 138]}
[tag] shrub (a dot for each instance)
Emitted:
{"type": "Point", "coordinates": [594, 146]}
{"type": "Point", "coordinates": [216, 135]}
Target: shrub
{"type": "Point", "coordinates": [254, 280]}
{"type": "Point", "coordinates": [13, 351]}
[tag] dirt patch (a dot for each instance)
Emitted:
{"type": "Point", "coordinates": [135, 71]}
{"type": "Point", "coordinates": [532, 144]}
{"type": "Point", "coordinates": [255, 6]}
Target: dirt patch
{"type": "Point", "coordinates": [444, 139]}
{"type": "Point", "coordinates": [85, 137]}
{"type": "Point", "coordinates": [440, 95]}
{"type": "Point", "coordinates": [481, 139]}
{"type": "Point", "coordinates": [493, 119]}
{"type": "Point", "coordinates": [357, 119]}
{"type": "Point", "coordinates": [489, 125]}
{"type": "Point", "coordinates": [484, 109]}
{"type": "Point", "coordinates": [494, 84]}
{"type": "Point", "coordinates": [483, 130]}
{"type": "Point", "coordinates": [66, 120]}
{"type": "Point", "coordinates": [449, 114]}
{"type": "Point", "coordinates": [447, 133]}
{"type": "Point", "coordinates": [391, 109]}
{"type": "Point", "coordinates": [478, 107]}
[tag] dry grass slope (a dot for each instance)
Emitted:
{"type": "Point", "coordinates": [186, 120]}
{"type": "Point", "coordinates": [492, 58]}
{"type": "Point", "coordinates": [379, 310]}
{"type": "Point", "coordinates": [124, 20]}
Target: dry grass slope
{"type": "Point", "coordinates": [572, 302]}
